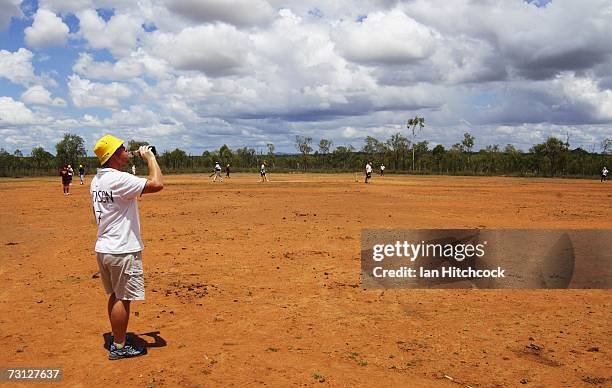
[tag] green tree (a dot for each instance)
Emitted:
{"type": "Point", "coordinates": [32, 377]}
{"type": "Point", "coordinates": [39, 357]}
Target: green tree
{"type": "Point", "coordinates": [247, 157]}
{"type": "Point", "coordinates": [133, 145]}
{"type": "Point", "coordinates": [513, 158]}
{"type": "Point", "coordinates": [40, 156]}
{"type": "Point", "coordinates": [374, 148]}
{"type": "Point", "coordinates": [303, 145]}
{"type": "Point", "coordinates": [174, 159]}
{"type": "Point", "coordinates": [225, 154]}
{"type": "Point", "coordinates": [467, 144]}
{"type": "Point", "coordinates": [421, 148]}
{"type": "Point", "coordinates": [493, 158]}
{"type": "Point", "coordinates": [398, 146]}
{"type": "Point", "coordinates": [550, 156]}
{"type": "Point", "coordinates": [556, 150]}
{"type": "Point", "coordinates": [71, 149]}
{"type": "Point", "coordinates": [342, 156]}
{"type": "Point", "coordinates": [324, 146]}
{"type": "Point", "coordinates": [606, 146]}
{"type": "Point", "coordinates": [438, 154]}
{"type": "Point", "coordinates": [371, 145]}
{"type": "Point", "coordinates": [412, 125]}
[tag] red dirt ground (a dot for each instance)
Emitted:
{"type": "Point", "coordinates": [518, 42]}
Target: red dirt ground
{"type": "Point", "coordinates": [252, 283]}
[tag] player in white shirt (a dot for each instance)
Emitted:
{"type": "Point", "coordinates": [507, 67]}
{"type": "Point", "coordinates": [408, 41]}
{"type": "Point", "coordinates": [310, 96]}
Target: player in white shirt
{"type": "Point", "coordinates": [217, 172]}
{"type": "Point", "coordinates": [368, 170]}
{"type": "Point", "coordinates": [262, 173]}
{"type": "Point", "coordinates": [604, 174]}
{"type": "Point", "coordinates": [118, 247]}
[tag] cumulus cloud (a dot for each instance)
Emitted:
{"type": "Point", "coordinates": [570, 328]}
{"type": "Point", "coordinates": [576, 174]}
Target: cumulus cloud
{"type": "Point", "coordinates": [585, 91]}
{"type": "Point", "coordinates": [15, 113]}
{"type": "Point", "coordinates": [8, 9]}
{"type": "Point", "coordinates": [534, 43]}
{"type": "Point", "coordinates": [47, 30]}
{"type": "Point", "coordinates": [385, 38]}
{"type": "Point", "coordinates": [134, 116]}
{"type": "Point", "coordinates": [124, 68]}
{"type": "Point", "coordinates": [73, 6]}
{"type": "Point", "coordinates": [216, 50]}
{"type": "Point", "coordinates": [119, 35]}
{"type": "Point", "coordinates": [248, 72]}
{"type": "Point", "coordinates": [87, 94]}
{"type": "Point", "coordinates": [236, 12]}
{"type": "Point", "coordinates": [38, 95]}
{"type": "Point", "coordinates": [17, 66]}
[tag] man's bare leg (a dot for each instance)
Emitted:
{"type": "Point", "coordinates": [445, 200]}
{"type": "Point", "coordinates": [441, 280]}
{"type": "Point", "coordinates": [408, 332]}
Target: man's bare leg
{"type": "Point", "coordinates": [119, 316]}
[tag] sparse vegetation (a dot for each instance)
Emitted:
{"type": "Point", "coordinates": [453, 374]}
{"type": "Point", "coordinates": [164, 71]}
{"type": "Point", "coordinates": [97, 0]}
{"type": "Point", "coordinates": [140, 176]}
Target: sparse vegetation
{"type": "Point", "coordinates": [552, 158]}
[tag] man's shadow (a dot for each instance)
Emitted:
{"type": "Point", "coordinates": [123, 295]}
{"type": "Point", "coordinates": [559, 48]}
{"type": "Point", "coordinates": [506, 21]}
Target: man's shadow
{"type": "Point", "coordinates": [136, 339]}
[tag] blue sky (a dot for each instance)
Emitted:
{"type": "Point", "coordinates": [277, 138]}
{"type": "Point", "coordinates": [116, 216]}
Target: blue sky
{"type": "Point", "coordinates": [197, 74]}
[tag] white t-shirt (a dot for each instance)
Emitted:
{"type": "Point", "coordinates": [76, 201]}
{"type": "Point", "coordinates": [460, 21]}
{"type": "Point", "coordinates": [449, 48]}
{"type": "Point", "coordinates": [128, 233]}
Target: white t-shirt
{"type": "Point", "coordinates": [115, 204]}
{"type": "Point", "coordinates": [368, 167]}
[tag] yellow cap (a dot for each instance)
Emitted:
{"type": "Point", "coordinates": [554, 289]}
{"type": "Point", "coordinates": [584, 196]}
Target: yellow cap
{"type": "Point", "coordinates": [106, 147]}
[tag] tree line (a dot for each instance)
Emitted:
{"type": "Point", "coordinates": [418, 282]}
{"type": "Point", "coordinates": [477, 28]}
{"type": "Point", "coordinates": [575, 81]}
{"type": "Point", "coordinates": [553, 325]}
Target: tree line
{"type": "Point", "coordinates": [551, 158]}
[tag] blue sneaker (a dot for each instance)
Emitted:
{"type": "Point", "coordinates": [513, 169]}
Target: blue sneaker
{"type": "Point", "coordinates": [126, 351]}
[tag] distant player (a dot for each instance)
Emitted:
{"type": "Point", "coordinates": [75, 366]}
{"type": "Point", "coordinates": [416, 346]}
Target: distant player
{"type": "Point", "coordinates": [382, 169]}
{"type": "Point", "coordinates": [133, 169]}
{"type": "Point", "coordinates": [66, 178]}
{"type": "Point", "coordinates": [217, 172]}
{"type": "Point", "coordinates": [604, 174]}
{"type": "Point", "coordinates": [368, 171]}
{"type": "Point", "coordinates": [262, 172]}
{"type": "Point", "coordinates": [70, 173]}
{"type": "Point", "coordinates": [227, 171]}
{"type": "Point", "coordinates": [82, 173]}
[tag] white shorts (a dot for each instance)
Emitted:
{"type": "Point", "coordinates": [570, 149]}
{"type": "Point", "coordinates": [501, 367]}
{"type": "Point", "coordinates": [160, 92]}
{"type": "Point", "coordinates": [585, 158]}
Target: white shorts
{"type": "Point", "coordinates": [122, 275]}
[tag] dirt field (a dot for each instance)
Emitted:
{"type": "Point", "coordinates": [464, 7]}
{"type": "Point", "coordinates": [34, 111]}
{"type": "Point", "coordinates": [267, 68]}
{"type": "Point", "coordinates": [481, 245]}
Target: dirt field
{"type": "Point", "coordinates": [259, 284]}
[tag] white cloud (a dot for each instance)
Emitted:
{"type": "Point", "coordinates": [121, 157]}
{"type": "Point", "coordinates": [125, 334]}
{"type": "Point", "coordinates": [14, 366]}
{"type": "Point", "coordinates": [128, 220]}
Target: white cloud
{"type": "Point", "coordinates": [193, 87]}
{"type": "Point", "coordinates": [256, 71]}
{"type": "Point", "coordinates": [87, 94]}
{"type": "Point", "coordinates": [534, 43]}
{"type": "Point", "coordinates": [47, 30]}
{"type": "Point", "coordinates": [216, 50]}
{"type": "Point", "coordinates": [385, 38]}
{"type": "Point", "coordinates": [8, 9]}
{"type": "Point", "coordinates": [17, 66]}
{"type": "Point", "coordinates": [237, 12]}
{"type": "Point", "coordinates": [584, 90]}
{"type": "Point", "coordinates": [38, 95]}
{"type": "Point", "coordinates": [66, 6]}
{"type": "Point", "coordinates": [91, 121]}
{"type": "Point", "coordinates": [119, 35]}
{"type": "Point", "coordinates": [15, 113]}
{"type": "Point", "coordinates": [135, 116]}
{"type": "Point", "coordinates": [124, 68]}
